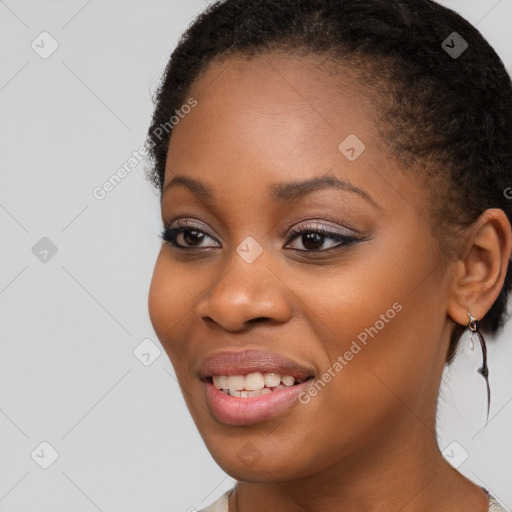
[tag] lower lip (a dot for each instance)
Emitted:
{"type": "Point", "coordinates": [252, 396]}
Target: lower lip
{"type": "Point", "coordinates": [253, 409]}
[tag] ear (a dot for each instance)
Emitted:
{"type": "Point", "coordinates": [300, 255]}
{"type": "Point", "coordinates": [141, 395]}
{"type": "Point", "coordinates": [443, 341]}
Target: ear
{"type": "Point", "coordinates": [481, 268]}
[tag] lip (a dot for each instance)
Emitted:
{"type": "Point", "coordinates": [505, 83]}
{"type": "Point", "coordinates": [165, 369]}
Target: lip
{"type": "Point", "coordinates": [242, 363]}
{"type": "Point", "coordinates": [234, 410]}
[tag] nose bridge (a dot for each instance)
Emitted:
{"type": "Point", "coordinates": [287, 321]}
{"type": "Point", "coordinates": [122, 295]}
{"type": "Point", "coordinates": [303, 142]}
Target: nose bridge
{"type": "Point", "coordinates": [247, 289]}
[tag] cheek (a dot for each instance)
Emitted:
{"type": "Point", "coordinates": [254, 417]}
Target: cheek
{"type": "Point", "coordinates": [373, 323]}
{"type": "Point", "coordinates": [171, 298]}
{"type": "Point", "coordinates": [160, 299]}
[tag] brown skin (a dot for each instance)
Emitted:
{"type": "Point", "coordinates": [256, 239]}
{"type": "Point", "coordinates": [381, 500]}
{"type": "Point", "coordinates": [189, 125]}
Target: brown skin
{"type": "Point", "coordinates": [367, 441]}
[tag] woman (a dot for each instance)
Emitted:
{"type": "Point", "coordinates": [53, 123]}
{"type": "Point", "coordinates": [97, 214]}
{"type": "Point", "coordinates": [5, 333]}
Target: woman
{"type": "Point", "coordinates": [333, 179]}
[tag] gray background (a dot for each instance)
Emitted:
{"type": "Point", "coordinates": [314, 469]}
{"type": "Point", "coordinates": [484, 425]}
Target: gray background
{"type": "Point", "coordinates": [70, 321]}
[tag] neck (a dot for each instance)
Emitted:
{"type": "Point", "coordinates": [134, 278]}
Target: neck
{"type": "Point", "coordinates": [404, 472]}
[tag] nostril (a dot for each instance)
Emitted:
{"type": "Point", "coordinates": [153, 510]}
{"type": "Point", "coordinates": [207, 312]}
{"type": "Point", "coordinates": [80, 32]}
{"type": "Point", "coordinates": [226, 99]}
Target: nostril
{"type": "Point", "coordinates": [259, 319]}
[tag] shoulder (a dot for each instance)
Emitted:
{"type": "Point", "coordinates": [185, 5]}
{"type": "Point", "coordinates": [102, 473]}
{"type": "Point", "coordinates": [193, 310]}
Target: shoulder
{"type": "Point", "coordinates": [221, 505]}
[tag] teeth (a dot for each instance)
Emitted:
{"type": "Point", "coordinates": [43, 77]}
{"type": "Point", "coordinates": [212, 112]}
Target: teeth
{"type": "Point", "coordinates": [245, 394]}
{"type": "Point", "coordinates": [252, 384]}
{"type": "Point", "coordinates": [254, 381]}
{"type": "Point", "coordinates": [220, 381]}
{"type": "Point", "coordinates": [287, 380]}
{"type": "Point", "coordinates": [272, 379]}
{"type": "Point", "coordinates": [236, 382]}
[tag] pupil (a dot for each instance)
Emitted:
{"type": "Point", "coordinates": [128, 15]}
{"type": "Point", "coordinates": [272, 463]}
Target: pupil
{"type": "Point", "coordinates": [192, 237]}
{"type": "Point", "coordinates": [312, 240]}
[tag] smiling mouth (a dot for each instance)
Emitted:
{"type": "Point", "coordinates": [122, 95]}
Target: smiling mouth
{"type": "Point", "coordinates": [253, 384]}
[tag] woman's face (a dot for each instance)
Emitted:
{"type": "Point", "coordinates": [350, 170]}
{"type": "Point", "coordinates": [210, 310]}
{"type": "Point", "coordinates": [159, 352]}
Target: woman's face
{"type": "Point", "coordinates": [356, 299]}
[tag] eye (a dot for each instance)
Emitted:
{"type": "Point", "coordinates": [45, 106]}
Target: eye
{"type": "Point", "coordinates": [312, 237]}
{"type": "Point", "coordinates": [184, 235]}
{"type": "Point", "coordinates": [317, 238]}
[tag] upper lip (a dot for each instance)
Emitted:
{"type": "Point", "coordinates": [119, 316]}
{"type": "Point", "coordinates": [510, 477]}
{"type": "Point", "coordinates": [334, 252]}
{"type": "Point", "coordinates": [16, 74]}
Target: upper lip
{"type": "Point", "coordinates": [241, 363]}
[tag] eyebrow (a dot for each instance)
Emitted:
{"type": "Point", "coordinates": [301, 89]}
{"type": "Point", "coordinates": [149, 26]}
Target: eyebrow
{"type": "Point", "coordinates": [200, 190]}
{"type": "Point", "coordinates": [283, 192]}
{"type": "Point", "coordinates": [298, 189]}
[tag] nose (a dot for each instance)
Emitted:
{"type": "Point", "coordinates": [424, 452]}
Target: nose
{"type": "Point", "coordinates": [245, 293]}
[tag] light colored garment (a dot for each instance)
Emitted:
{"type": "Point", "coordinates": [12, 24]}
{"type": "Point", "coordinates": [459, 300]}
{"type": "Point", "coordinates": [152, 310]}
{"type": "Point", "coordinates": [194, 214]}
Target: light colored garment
{"type": "Point", "coordinates": [221, 505]}
{"type": "Point", "coordinates": [494, 506]}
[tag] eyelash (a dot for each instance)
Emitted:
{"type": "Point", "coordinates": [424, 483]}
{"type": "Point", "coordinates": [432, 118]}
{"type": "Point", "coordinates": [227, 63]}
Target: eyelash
{"type": "Point", "coordinates": [170, 233]}
{"type": "Point", "coordinates": [343, 240]}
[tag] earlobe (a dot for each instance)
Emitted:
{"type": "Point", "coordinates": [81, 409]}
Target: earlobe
{"type": "Point", "coordinates": [480, 272]}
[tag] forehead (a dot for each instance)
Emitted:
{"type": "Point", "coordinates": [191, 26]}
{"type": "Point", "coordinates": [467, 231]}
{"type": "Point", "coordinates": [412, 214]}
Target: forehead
{"type": "Point", "coordinates": [269, 108]}
{"type": "Point", "coordinates": [279, 118]}
{"type": "Point", "coordinates": [283, 90]}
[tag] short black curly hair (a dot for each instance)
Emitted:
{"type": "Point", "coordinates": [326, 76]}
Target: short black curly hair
{"type": "Point", "coordinates": [449, 114]}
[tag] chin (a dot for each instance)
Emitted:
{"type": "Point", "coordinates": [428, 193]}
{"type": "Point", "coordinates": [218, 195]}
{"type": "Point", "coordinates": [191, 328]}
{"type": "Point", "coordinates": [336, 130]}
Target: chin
{"type": "Point", "coordinates": [263, 453]}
